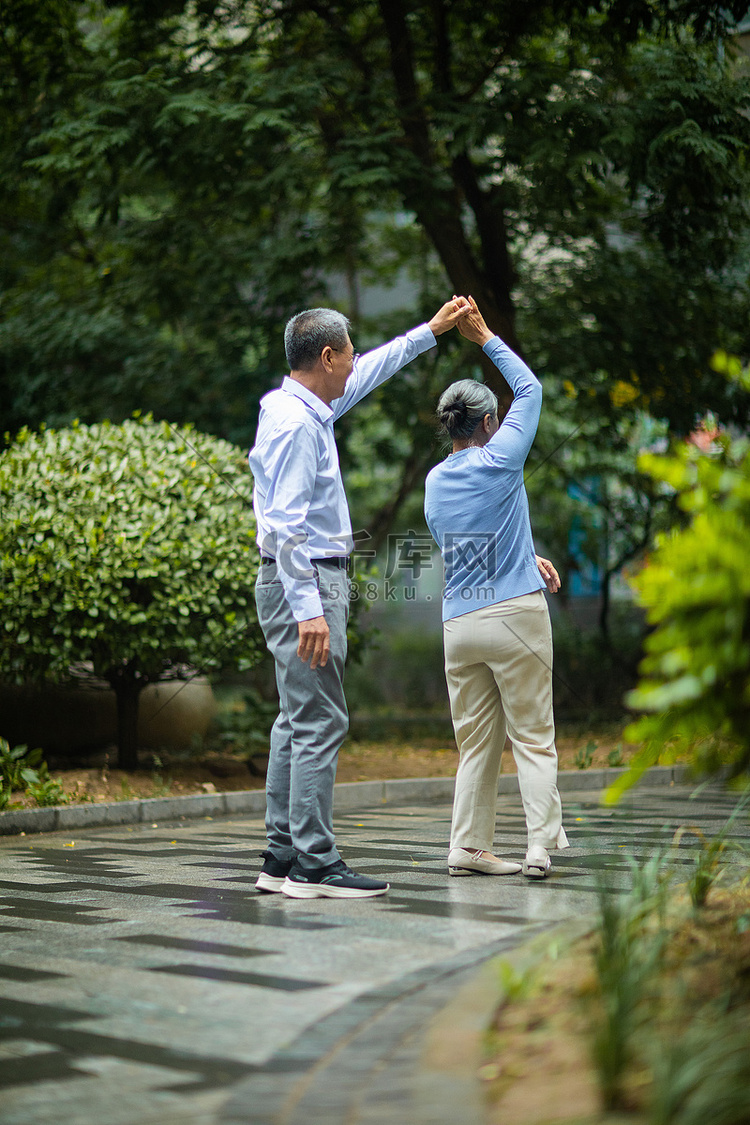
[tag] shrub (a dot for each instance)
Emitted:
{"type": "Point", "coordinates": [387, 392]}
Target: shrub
{"type": "Point", "coordinates": [127, 552]}
{"type": "Point", "coordinates": [24, 769]}
{"type": "Point", "coordinates": [592, 671]}
{"type": "Point", "coordinates": [403, 670]}
{"type": "Point", "coordinates": [15, 763]}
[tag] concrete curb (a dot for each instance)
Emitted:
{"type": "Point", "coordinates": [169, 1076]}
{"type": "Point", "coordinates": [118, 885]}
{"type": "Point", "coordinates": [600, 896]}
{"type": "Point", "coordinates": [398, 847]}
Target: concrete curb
{"type": "Point", "coordinates": [347, 795]}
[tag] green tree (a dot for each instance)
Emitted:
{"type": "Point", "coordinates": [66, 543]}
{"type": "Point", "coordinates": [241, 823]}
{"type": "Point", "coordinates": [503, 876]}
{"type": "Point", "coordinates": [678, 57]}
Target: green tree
{"type": "Point", "coordinates": [695, 587]}
{"type": "Point", "coordinates": [176, 177]}
{"type": "Point", "coordinates": [156, 219]}
{"type": "Point", "coordinates": [581, 169]}
{"type": "Point", "coordinates": [127, 552]}
{"type": "Point", "coordinates": [609, 132]}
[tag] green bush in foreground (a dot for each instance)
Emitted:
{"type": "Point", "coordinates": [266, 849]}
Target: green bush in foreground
{"type": "Point", "coordinates": [127, 552]}
{"type": "Point", "coordinates": [695, 677]}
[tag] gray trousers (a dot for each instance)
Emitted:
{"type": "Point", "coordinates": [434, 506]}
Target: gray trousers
{"type": "Point", "coordinates": [312, 722]}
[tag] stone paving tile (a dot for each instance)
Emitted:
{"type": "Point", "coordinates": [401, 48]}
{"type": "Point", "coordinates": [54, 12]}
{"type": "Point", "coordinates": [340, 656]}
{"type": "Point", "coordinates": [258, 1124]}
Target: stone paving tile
{"type": "Point", "coordinates": [143, 979]}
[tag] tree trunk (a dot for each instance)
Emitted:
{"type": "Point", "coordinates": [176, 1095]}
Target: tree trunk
{"type": "Point", "coordinates": [467, 280]}
{"type": "Point", "coordinates": [438, 208]}
{"type": "Point", "coordinates": [127, 690]}
{"type": "Point", "coordinates": [605, 597]}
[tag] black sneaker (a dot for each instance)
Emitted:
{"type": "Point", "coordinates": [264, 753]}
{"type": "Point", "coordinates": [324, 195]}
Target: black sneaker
{"type": "Point", "coordinates": [273, 873]}
{"type": "Point", "coordinates": [334, 881]}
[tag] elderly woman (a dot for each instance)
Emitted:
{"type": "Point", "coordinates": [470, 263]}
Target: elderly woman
{"type": "Point", "coordinates": [496, 627]}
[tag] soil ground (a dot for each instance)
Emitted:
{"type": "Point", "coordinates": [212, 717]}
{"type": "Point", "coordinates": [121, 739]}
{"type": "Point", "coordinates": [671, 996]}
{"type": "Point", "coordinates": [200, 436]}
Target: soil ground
{"type": "Point", "coordinates": [180, 774]}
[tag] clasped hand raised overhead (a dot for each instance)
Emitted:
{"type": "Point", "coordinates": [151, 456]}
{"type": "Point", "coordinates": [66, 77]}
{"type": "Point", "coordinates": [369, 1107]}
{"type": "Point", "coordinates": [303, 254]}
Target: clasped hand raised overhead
{"type": "Point", "coordinates": [449, 315]}
{"type": "Point", "coordinates": [472, 325]}
{"type": "Point", "coordinates": [461, 312]}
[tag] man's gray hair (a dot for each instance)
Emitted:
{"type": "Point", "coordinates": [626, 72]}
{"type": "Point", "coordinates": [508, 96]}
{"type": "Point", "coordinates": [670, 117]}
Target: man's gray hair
{"type": "Point", "coordinates": [307, 333]}
{"type": "Point", "coordinates": [462, 407]}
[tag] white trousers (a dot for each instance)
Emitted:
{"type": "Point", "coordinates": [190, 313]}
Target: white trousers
{"type": "Point", "coordinates": [498, 665]}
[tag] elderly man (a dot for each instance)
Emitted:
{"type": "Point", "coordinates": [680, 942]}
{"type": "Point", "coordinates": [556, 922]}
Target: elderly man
{"type": "Point", "coordinates": [302, 592]}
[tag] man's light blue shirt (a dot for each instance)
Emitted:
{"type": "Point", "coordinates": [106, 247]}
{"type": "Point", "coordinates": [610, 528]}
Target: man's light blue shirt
{"type": "Point", "coordinates": [299, 500]}
{"type": "Point", "coordinates": [476, 505]}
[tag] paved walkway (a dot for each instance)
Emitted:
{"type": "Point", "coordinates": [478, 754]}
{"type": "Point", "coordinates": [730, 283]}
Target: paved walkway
{"type": "Point", "coordinates": [143, 979]}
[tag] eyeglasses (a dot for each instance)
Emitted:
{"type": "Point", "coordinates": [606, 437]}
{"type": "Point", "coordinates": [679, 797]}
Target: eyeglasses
{"type": "Point", "coordinates": [355, 355]}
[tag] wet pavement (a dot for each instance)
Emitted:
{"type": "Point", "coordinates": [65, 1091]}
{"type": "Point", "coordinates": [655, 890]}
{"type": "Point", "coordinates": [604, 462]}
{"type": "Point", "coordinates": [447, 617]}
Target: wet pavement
{"type": "Point", "coordinates": [144, 980]}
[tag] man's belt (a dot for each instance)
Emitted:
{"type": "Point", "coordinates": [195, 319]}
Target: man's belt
{"type": "Point", "coordinates": [341, 561]}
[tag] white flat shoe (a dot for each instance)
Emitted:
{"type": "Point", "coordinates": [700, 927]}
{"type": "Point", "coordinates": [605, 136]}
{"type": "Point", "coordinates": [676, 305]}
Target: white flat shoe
{"type": "Point", "coordinates": [537, 864]}
{"type": "Point", "coordinates": [461, 861]}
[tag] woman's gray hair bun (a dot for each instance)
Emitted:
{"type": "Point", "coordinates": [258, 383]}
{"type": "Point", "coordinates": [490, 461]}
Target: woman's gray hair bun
{"type": "Point", "coordinates": [462, 407]}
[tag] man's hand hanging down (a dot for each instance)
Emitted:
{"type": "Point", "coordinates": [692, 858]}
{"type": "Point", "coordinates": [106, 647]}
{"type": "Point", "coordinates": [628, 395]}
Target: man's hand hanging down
{"type": "Point", "coordinates": [314, 641]}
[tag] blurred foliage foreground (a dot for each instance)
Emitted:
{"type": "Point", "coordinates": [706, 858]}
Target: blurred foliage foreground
{"type": "Point", "coordinates": [695, 682]}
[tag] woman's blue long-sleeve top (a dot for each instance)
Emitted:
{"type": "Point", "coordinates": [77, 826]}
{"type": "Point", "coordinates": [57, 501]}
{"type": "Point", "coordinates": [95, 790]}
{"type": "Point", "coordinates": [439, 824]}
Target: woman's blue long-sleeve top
{"type": "Point", "coordinates": [476, 505]}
